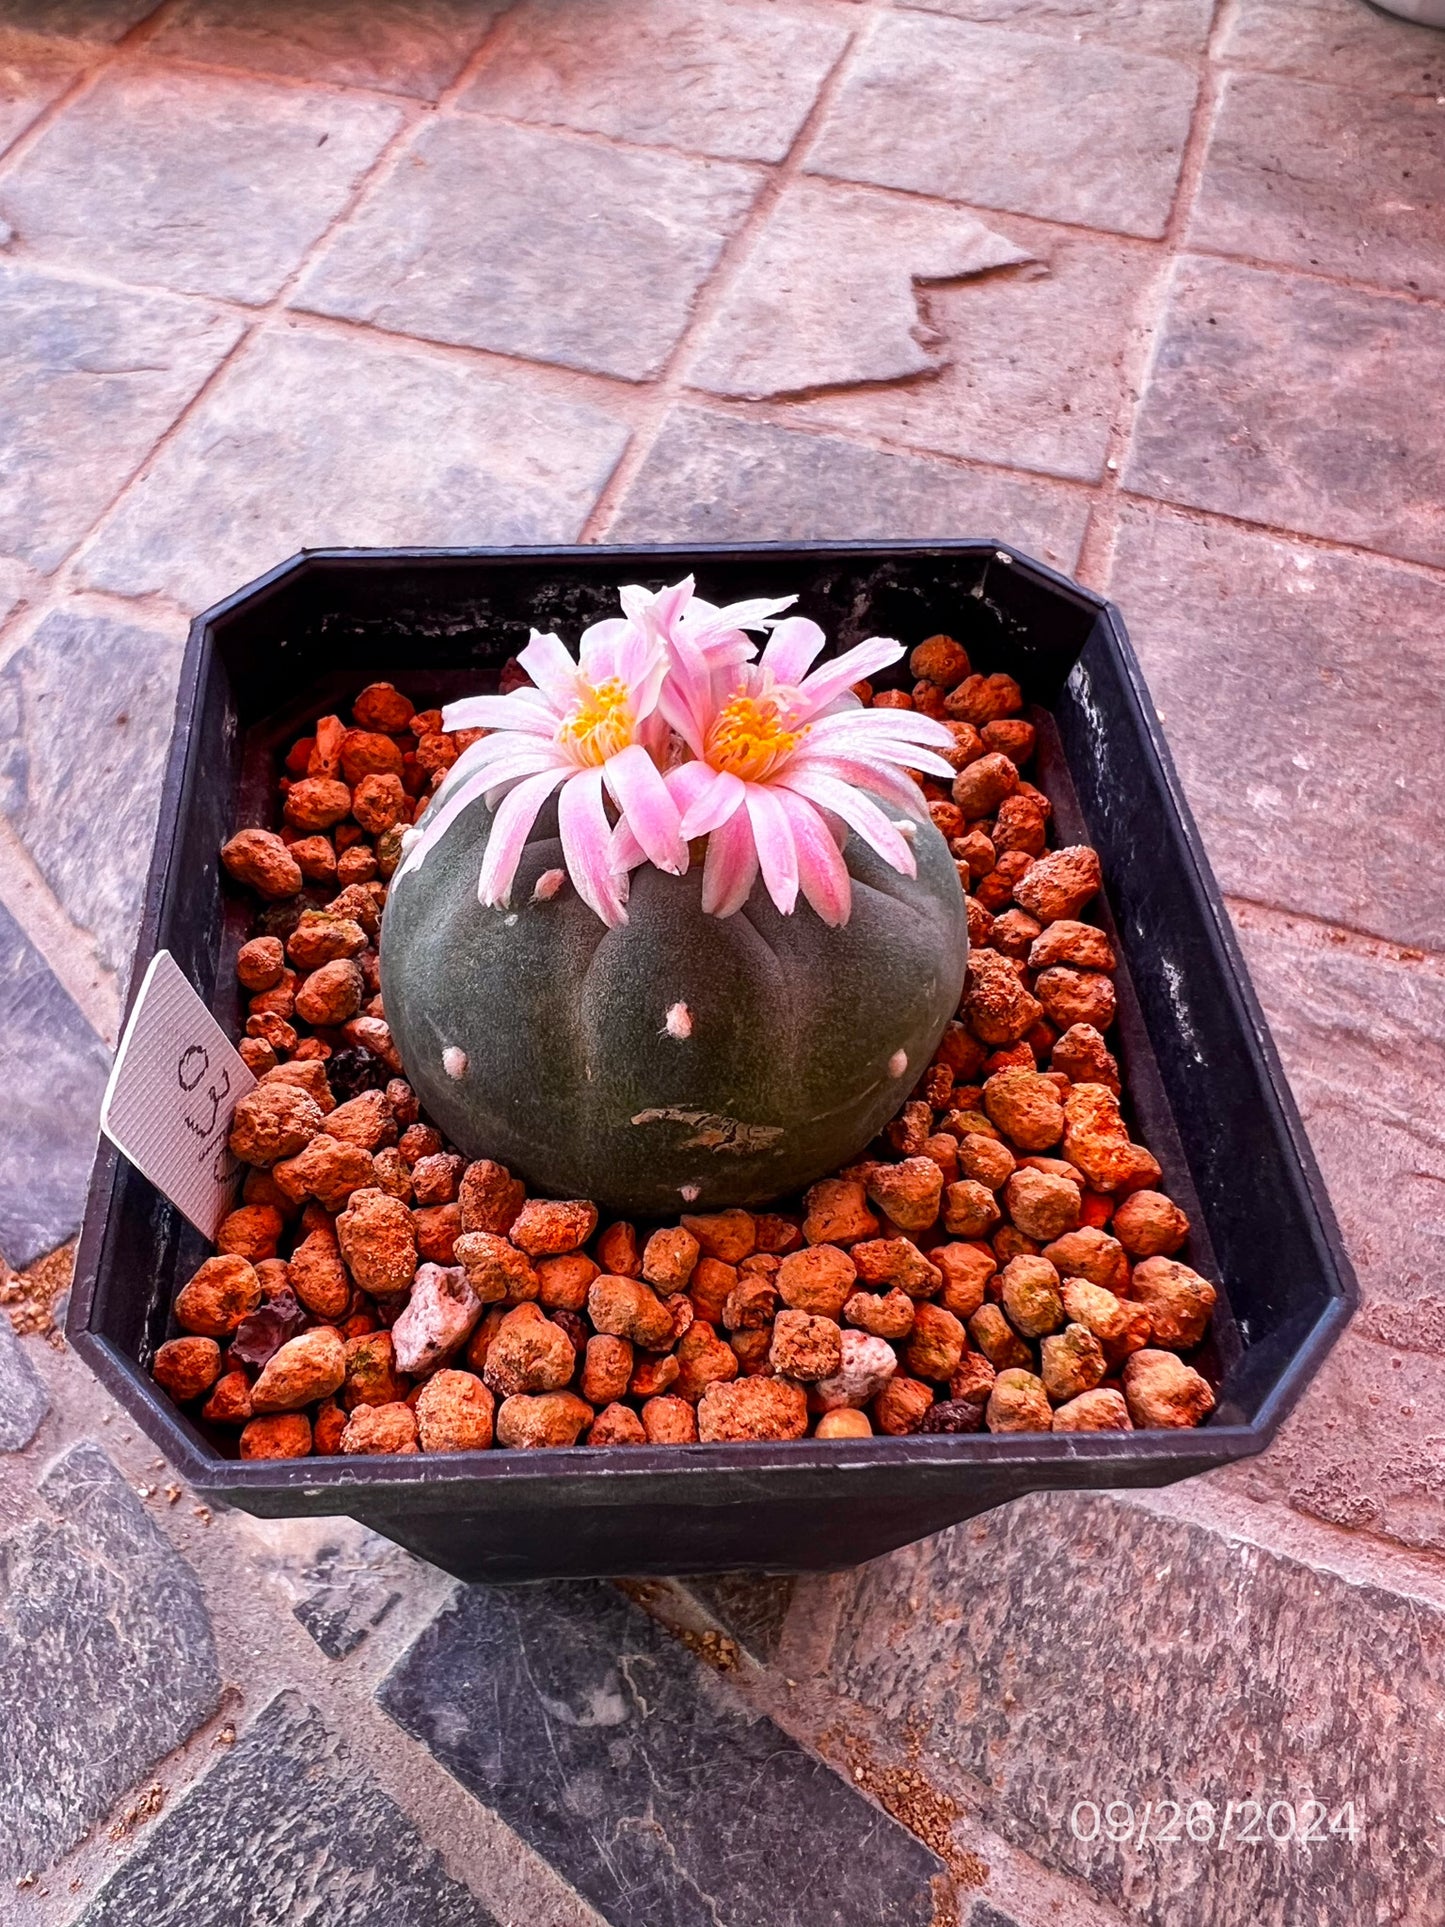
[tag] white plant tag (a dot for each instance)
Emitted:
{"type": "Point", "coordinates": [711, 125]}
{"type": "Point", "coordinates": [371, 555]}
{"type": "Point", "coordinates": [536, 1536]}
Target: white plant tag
{"type": "Point", "coordinates": [176, 1079]}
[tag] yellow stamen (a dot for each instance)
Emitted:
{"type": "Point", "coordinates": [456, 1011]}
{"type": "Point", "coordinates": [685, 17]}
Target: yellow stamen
{"type": "Point", "coordinates": [602, 722]}
{"type": "Point", "coordinates": [750, 738]}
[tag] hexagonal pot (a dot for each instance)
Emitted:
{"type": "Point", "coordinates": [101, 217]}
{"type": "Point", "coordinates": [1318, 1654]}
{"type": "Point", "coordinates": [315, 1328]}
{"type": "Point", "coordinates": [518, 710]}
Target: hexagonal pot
{"type": "Point", "coordinates": [1201, 1073]}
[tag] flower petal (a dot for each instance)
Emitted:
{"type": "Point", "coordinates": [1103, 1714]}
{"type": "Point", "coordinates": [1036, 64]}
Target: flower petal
{"type": "Point", "coordinates": [854, 665]}
{"type": "Point", "coordinates": [547, 661]}
{"type": "Point", "coordinates": [731, 867]}
{"type": "Point", "coordinates": [511, 826]}
{"type": "Point", "coordinates": [793, 648]}
{"type": "Point", "coordinates": [636, 787]}
{"type": "Point", "coordinates": [773, 840]}
{"type": "Point", "coordinates": [524, 709]}
{"type": "Point", "coordinates": [891, 784]}
{"type": "Point", "coordinates": [586, 845]}
{"type": "Point", "coordinates": [859, 812]}
{"type": "Point", "coordinates": [822, 873]}
{"type": "Point", "coordinates": [715, 801]}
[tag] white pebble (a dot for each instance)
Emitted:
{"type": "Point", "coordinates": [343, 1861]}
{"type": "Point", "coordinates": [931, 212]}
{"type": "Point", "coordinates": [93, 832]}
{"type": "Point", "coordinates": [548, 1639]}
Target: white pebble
{"type": "Point", "coordinates": [454, 1061]}
{"type": "Point", "coordinates": [906, 827]}
{"type": "Point", "coordinates": [547, 885]}
{"type": "Point", "coordinates": [868, 1364]}
{"type": "Point", "coordinates": [439, 1314]}
{"type": "Point", "coordinates": [678, 1022]}
{"type": "Point", "coordinates": [898, 1063]}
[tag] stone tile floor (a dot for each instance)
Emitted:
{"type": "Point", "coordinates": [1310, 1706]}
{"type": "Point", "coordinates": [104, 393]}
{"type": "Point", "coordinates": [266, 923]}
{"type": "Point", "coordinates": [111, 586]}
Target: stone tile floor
{"type": "Point", "coordinates": [1151, 287]}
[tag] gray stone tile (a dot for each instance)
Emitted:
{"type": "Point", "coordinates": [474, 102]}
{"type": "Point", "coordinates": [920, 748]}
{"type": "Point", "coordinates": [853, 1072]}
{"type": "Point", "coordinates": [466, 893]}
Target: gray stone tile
{"type": "Point", "coordinates": [32, 74]}
{"type": "Point", "coordinates": [52, 1070]}
{"type": "Point", "coordinates": [827, 294]}
{"type": "Point", "coordinates": [712, 478]}
{"type": "Point", "coordinates": [284, 1827]}
{"type": "Point", "coordinates": [1067, 1649]}
{"type": "Point", "coordinates": [1302, 698]}
{"type": "Point", "coordinates": [106, 1658]}
{"type": "Point", "coordinates": [311, 440]}
{"type": "Point", "coordinates": [86, 707]}
{"type": "Point", "coordinates": [711, 76]}
{"type": "Point", "coordinates": [415, 47]}
{"type": "Point", "coordinates": [1337, 40]}
{"type": "Point", "coordinates": [1363, 1042]}
{"type": "Point", "coordinates": [1281, 184]}
{"type": "Point", "coordinates": [534, 244]}
{"type": "Point", "coordinates": [1076, 133]}
{"type": "Point", "coordinates": [1363, 1450]}
{"type": "Point", "coordinates": [90, 379]}
{"type": "Point", "coordinates": [190, 181]}
{"type": "Point", "coordinates": [751, 1605]}
{"type": "Point", "coordinates": [639, 1777]}
{"type": "Point", "coordinates": [1163, 26]}
{"type": "Point", "coordinates": [24, 1400]}
{"type": "Point", "coordinates": [1299, 404]}
{"type": "Point", "coordinates": [101, 20]}
{"type": "Point", "coordinates": [1032, 371]}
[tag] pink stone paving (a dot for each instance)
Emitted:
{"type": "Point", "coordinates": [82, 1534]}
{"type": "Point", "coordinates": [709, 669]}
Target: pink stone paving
{"type": "Point", "coordinates": [1151, 288]}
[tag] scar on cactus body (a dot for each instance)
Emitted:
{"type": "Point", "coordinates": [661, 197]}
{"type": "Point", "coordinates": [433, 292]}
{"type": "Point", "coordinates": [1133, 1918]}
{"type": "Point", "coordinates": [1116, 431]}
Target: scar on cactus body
{"type": "Point", "coordinates": [679, 924]}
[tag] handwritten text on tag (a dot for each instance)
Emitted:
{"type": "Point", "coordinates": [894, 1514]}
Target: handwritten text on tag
{"type": "Point", "coordinates": [175, 1082]}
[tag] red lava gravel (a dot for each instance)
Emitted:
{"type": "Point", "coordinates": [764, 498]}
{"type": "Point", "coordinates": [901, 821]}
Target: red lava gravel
{"type": "Point", "coordinates": [1003, 1260]}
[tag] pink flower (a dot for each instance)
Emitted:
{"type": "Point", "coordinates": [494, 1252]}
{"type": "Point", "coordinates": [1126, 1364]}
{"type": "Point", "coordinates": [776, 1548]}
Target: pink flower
{"type": "Point", "coordinates": [781, 760]}
{"type": "Point", "coordinates": [586, 730]}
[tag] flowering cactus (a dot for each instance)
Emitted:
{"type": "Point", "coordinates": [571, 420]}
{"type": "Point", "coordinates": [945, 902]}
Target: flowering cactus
{"type": "Point", "coordinates": [767, 933]}
{"type": "Point", "coordinates": [665, 714]}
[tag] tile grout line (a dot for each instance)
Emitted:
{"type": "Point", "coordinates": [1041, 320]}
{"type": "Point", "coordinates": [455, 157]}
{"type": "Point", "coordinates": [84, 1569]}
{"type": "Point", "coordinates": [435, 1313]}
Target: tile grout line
{"type": "Point", "coordinates": [1096, 551]}
{"type": "Point", "coordinates": [669, 384]}
{"type": "Point", "coordinates": [1319, 933]}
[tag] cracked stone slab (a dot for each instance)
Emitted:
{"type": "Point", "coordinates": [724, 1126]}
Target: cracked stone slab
{"type": "Point", "coordinates": [661, 1797]}
{"type": "Point", "coordinates": [285, 1827]}
{"type": "Point", "coordinates": [828, 293]}
{"type": "Point", "coordinates": [1077, 133]}
{"type": "Point", "coordinates": [536, 244]}
{"type": "Point", "coordinates": [107, 1662]}
{"type": "Point", "coordinates": [1294, 402]}
{"type": "Point", "coordinates": [414, 47]}
{"type": "Point", "coordinates": [53, 1069]}
{"type": "Point", "coordinates": [712, 478]}
{"type": "Point", "coordinates": [1301, 694]}
{"type": "Point", "coordinates": [1163, 26]}
{"type": "Point", "coordinates": [1337, 40]}
{"type": "Point", "coordinates": [90, 379]}
{"type": "Point", "coordinates": [1034, 358]}
{"type": "Point", "coordinates": [193, 182]}
{"type": "Point", "coordinates": [24, 1400]}
{"type": "Point", "coordinates": [1280, 184]}
{"type": "Point", "coordinates": [85, 718]}
{"type": "Point", "coordinates": [310, 441]}
{"type": "Point", "coordinates": [1069, 1648]}
{"type": "Point", "coordinates": [710, 76]}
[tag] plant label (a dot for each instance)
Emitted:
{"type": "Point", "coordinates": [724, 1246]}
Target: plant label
{"type": "Point", "coordinates": [176, 1079]}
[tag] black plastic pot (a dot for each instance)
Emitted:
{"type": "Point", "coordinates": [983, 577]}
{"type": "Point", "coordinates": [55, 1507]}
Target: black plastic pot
{"type": "Point", "coordinates": [1203, 1080]}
